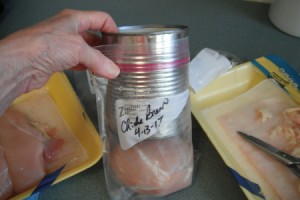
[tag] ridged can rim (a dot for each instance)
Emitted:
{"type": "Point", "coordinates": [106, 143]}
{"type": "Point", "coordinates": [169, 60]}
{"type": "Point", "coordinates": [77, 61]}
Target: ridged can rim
{"type": "Point", "coordinates": [150, 29]}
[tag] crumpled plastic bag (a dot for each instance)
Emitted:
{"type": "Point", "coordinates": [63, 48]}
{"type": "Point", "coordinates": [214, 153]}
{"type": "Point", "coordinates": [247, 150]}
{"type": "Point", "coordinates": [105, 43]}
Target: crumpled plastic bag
{"type": "Point", "coordinates": [206, 66]}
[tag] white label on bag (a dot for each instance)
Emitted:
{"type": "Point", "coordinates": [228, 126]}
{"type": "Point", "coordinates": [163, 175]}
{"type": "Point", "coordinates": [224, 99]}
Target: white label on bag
{"type": "Point", "coordinates": [139, 119]}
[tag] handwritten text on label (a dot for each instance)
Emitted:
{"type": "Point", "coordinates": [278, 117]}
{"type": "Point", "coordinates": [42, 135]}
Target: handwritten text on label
{"type": "Point", "coordinates": [143, 122]}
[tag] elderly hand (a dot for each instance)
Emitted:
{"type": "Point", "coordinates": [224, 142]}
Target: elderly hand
{"type": "Point", "coordinates": [29, 57]}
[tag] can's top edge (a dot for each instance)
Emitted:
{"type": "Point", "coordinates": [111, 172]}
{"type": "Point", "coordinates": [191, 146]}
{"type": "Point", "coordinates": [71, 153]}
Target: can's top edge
{"type": "Point", "coordinates": [151, 29]}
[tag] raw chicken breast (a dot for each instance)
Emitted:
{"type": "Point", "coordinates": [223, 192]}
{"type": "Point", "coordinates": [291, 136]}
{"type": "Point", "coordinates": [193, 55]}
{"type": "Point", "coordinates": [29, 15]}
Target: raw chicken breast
{"type": "Point", "coordinates": [266, 112]}
{"type": "Point", "coordinates": [154, 167]}
{"type": "Point", "coordinates": [61, 147]}
{"type": "Point", "coordinates": [23, 149]}
{"type": "Point", "coordinates": [5, 182]}
{"type": "Point", "coordinates": [36, 141]}
{"type": "Point", "coordinates": [272, 131]}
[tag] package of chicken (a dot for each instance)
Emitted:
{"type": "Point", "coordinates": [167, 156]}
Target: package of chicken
{"type": "Point", "coordinates": [260, 98]}
{"type": "Point", "coordinates": [45, 137]}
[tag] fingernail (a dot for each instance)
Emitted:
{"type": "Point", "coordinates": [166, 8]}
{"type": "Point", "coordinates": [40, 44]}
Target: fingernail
{"type": "Point", "coordinates": [112, 69]}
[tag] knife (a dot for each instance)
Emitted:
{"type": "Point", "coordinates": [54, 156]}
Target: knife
{"type": "Point", "coordinates": [292, 162]}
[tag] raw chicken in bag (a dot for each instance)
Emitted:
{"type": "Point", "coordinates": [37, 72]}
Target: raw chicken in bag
{"type": "Point", "coordinates": [148, 141]}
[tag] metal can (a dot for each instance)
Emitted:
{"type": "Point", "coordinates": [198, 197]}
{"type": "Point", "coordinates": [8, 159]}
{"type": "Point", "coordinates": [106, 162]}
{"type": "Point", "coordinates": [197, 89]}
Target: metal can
{"type": "Point", "coordinates": [150, 98]}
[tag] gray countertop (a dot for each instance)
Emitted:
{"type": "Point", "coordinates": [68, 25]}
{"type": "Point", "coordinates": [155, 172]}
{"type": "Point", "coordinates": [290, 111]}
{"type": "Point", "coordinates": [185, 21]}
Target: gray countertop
{"type": "Point", "coordinates": [239, 27]}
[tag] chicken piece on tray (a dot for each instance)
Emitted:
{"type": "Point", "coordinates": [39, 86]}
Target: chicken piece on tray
{"type": "Point", "coordinates": [23, 148]}
{"type": "Point", "coordinates": [268, 113]}
{"type": "Point", "coordinates": [62, 146]}
{"type": "Point", "coordinates": [36, 140]}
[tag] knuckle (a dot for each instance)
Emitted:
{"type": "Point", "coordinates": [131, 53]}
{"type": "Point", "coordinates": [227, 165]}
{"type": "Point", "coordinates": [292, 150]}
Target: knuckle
{"type": "Point", "coordinates": [80, 43]}
{"type": "Point", "coordinates": [106, 15]}
{"type": "Point", "coordinates": [68, 12]}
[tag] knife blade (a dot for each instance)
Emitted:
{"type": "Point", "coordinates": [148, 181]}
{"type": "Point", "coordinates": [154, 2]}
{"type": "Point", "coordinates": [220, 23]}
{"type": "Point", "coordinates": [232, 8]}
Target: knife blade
{"type": "Point", "coordinates": [276, 153]}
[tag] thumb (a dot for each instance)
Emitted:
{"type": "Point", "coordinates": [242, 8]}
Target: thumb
{"type": "Point", "coordinates": [97, 63]}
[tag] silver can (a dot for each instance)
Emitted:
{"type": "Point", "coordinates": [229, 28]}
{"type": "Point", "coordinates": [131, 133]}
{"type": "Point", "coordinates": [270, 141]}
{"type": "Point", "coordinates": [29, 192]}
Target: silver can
{"type": "Point", "coordinates": [149, 99]}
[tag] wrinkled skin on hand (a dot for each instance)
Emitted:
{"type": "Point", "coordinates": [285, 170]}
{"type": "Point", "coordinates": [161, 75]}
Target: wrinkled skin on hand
{"type": "Point", "coordinates": [29, 57]}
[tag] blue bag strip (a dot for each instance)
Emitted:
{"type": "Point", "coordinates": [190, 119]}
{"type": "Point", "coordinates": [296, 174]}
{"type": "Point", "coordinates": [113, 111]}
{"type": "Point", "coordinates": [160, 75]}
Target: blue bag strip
{"type": "Point", "coordinates": [290, 72]}
{"type": "Point", "coordinates": [261, 68]}
{"type": "Point", "coordinates": [34, 196]}
{"type": "Point", "coordinates": [247, 184]}
{"type": "Point", "coordinates": [48, 180]}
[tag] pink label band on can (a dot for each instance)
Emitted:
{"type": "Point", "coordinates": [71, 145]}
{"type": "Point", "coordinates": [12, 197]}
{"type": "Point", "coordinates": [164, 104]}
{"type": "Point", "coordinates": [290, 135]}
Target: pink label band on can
{"type": "Point", "coordinates": [148, 67]}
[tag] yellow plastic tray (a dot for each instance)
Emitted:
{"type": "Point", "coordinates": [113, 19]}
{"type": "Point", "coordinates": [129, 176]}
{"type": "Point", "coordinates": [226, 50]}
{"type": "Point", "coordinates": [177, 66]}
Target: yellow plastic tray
{"type": "Point", "coordinates": [227, 86]}
{"type": "Point", "coordinates": [73, 113]}
{"type": "Point", "coordinates": [233, 83]}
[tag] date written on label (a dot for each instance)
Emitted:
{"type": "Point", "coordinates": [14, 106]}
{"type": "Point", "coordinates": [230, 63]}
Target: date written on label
{"type": "Point", "coordinates": [139, 127]}
{"type": "Point", "coordinates": [144, 121]}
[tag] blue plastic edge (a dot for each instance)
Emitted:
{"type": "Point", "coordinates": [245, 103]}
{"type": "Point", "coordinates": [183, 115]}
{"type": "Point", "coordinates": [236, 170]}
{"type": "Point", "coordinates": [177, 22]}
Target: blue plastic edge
{"type": "Point", "coordinates": [247, 184]}
{"type": "Point", "coordinates": [286, 68]}
{"type": "Point", "coordinates": [283, 66]}
{"type": "Point", "coordinates": [47, 181]}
